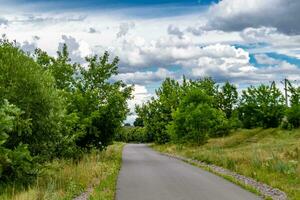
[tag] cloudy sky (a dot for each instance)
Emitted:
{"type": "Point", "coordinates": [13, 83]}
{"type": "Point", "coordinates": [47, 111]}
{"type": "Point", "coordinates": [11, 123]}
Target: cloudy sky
{"type": "Point", "coordinates": [243, 41]}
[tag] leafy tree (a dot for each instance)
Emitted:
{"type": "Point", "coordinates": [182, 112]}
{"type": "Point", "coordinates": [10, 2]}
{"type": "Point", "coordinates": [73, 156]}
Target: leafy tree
{"type": "Point", "coordinates": [157, 113]}
{"type": "Point", "coordinates": [262, 106]}
{"type": "Point", "coordinates": [227, 99]}
{"type": "Point", "coordinates": [196, 118]}
{"type": "Point", "coordinates": [101, 105]}
{"type": "Point", "coordinates": [293, 112]}
{"type": "Point", "coordinates": [61, 68]}
{"type": "Point", "coordinates": [16, 163]}
{"type": "Point", "coordinates": [138, 122]}
{"type": "Point", "coordinates": [25, 84]}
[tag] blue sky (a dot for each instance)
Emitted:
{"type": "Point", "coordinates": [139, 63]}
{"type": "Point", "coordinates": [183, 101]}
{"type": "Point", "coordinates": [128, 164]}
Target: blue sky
{"type": "Point", "coordinates": [242, 41]}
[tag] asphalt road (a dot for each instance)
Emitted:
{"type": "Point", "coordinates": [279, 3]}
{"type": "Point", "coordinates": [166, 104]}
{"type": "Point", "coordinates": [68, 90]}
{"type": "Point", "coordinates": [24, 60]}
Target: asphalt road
{"type": "Point", "coordinates": [148, 175]}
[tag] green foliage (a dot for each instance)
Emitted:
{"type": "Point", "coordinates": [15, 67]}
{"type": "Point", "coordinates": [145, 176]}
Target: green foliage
{"type": "Point", "coordinates": [196, 118]}
{"type": "Point", "coordinates": [262, 107]}
{"type": "Point", "coordinates": [16, 164]}
{"type": "Point", "coordinates": [138, 122]}
{"type": "Point", "coordinates": [133, 134]}
{"type": "Point", "coordinates": [58, 108]}
{"type": "Point", "coordinates": [101, 105]}
{"type": "Point", "coordinates": [227, 99]}
{"type": "Point", "coordinates": [25, 84]}
{"type": "Point", "coordinates": [293, 112]}
{"type": "Point", "coordinates": [157, 113]}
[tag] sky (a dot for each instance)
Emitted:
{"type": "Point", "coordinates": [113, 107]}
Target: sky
{"type": "Point", "coordinates": [247, 42]}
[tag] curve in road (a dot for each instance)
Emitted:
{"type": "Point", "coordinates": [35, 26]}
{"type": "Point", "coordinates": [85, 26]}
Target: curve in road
{"type": "Point", "coordinates": [148, 175]}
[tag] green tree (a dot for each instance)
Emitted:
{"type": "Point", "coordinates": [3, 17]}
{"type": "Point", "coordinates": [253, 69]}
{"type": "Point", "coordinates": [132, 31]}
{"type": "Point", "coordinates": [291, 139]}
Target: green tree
{"type": "Point", "coordinates": [25, 84]}
{"type": "Point", "coordinates": [101, 104]}
{"type": "Point", "coordinates": [227, 99]}
{"type": "Point", "coordinates": [138, 122]}
{"type": "Point", "coordinates": [157, 113]}
{"type": "Point", "coordinates": [196, 118]}
{"type": "Point", "coordinates": [16, 163]}
{"type": "Point", "coordinates": [262, 107]}
{"type": "Point", "coordinates": [293, 112]}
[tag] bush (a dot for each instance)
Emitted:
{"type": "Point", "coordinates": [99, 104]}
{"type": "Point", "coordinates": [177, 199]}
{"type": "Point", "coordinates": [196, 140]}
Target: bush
{"type": "Point", "coordinates": [261, 107]}
{"type": "Point", "coordinates": [25, 84]}
{"type": "Point", "coordinates": [133, 134]}
{"type": "Point", "coordinates": [196, 119]}
{"type": "Point", "coordinates": [16, 164]}
{"type": "Point", "coordinates": [293, 115]}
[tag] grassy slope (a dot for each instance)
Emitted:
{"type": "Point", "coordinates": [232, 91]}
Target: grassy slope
{"type": "Point", "coordinates": [271, 156]}
{"type": "Point", "coordinates": [65, 179]}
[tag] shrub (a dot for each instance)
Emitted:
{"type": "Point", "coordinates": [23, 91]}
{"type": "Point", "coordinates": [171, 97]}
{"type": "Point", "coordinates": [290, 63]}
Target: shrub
{"type": "Point", "coordinates": [133, 134]}
{"type": "Point", "coordinates": [16, 164]}
{"type": "Point", "coordinates": [261, 107]}
{"type": "Point", "coordinates": [293, 115]}
{"type": "Point", "coordinates": [196, 119]}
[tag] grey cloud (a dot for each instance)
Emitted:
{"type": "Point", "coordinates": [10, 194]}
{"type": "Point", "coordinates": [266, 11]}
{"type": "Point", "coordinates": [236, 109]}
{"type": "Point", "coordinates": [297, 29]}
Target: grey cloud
{"type": "Point", "coordinates": [173, 30]}
{"type": "Point", "coordinates": [36, 37]}
{"type": "Point", "coordinates": [41, 19]}
{"type": "Point", "coordinates": [146, 77]}
{"type": "Point", "coordinates": [265, 60]}
{"type": "Point", "coordinates": [236, 15]}
{"type": "Point", "coordinates": [92, 30]}
{"type": "Point", "coordinates": [197, 31]}
{"type": "Point", "coordinates": [73, 48]}
{"type": "Point", "coordinates": [124, 28]}
{"type": "Point", "coordinates": [28, 47]}
{"type": "Point", "coordinates": [3, 21]}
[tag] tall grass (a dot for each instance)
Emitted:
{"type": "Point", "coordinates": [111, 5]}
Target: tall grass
{"type": "Point", "coordinates": [271, 156]}
{"type": "Point", "coordinates": [65, 179]}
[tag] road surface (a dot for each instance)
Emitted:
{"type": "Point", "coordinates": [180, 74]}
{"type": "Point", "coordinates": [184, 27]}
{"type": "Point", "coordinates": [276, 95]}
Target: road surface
{"type": "Point", "coordinates": [148, 175]}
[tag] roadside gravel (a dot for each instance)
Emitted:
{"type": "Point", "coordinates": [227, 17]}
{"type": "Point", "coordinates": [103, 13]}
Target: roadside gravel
{"type": "Point", "coordinates": [264, 189]}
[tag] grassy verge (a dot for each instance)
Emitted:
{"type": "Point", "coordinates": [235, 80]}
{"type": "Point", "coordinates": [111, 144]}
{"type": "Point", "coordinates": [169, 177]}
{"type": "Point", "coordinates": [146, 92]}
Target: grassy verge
{"type": "Point", "coordinates": [271, 156]}
{"type": "Point", "coordinates": [64, 179]}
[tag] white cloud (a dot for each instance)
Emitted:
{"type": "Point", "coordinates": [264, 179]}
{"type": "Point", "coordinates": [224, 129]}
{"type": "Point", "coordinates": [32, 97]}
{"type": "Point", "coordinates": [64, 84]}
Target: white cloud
{"type": "Point", "coordinates": [144, 77]}
{"type": "Point", "coordinates": [78, 50]}
{"type": "Point", "coordinates": [265, 60]}
{"type": "Point", "coordinates": [174, 30]}
{"type": "Point", "coordinates": [92, 30]}
{"type": "Point", "coordinates": [3, 21]}
{"type": "Point", "coordinates": [236, 15]}
{"type": "Point", "coordinates": [124, 28]}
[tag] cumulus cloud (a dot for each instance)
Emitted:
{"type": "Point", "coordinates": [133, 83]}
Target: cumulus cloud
{"type": "Point", "coordinates": [174, 30]}
{"type": "Point", "coordinates": [273, 41]}
{"type": "Point", "coordinates": [77, 50]}
{"type": "Point", "coordinates": [3, 21]}
{"type": "Point", "coordinates": [197, 31]}
{"type": "Point", "coordinates": [28, 47]}
{"type": "Point", "coordinates": [124, 28]}
{"type": "Point", "coordinates": [143, 78]}
{"type": "Point", "coordinates": [263, 59]}
{"type": "Point", "coordinates": [236, 15]}
{"type": "Point", "coordinates": [46, 18]}
{"type": "Point", "coordinates": [92, 30]}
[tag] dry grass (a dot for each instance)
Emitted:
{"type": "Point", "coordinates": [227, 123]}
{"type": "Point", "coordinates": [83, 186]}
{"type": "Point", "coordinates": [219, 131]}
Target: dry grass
{"type": "Point", "coordinates": [271, 156]}
{"type": "Point", "coordinates": [64, 179]}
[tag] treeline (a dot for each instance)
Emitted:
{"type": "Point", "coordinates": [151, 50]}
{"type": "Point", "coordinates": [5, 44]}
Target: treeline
{"type": "Point", "coordinates": [194, 111]}
{"type": "Point", "coordinates": [53, 108]}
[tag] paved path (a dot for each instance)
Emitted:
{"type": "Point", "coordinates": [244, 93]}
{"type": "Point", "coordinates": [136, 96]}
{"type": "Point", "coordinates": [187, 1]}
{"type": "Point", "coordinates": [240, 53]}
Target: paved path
{"type": "Point", "coordinates": [147, 175]}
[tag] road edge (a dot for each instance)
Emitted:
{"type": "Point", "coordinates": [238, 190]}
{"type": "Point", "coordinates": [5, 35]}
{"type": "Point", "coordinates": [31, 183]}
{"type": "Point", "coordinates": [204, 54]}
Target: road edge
{"type": "Point", "coordinates": [247, 183]}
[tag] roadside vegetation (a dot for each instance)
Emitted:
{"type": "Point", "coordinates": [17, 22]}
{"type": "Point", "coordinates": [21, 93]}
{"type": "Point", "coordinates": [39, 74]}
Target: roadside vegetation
{"type": "Point", "coordinates": [66, 179]}
{"type": "Point", "coordinates": [270, 156]}
{"type": "Point", "coordinates": [56, 117]}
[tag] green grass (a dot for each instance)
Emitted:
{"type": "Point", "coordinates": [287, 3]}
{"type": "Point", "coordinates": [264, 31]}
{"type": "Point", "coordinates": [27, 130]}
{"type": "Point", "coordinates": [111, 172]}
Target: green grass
{"type": "Point", "coordinates": [271, 156]}
{"type": "Point", "coordinates": [65, 179]}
